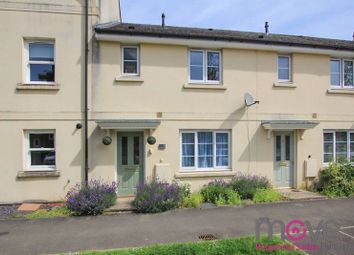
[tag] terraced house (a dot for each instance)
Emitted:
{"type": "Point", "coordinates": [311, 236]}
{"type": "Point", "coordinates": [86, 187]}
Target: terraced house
{"type": "Point", "coordinates": [173, 103]}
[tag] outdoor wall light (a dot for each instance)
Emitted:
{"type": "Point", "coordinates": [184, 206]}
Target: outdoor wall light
{"type": "Point", "coordinates": [151, 140]}
{"type": "Point", "coordinates": [107, 140]}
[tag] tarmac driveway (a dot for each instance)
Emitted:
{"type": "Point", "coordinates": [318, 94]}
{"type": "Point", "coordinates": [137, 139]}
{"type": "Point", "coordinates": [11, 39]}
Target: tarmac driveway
{"type": "Point", "coordinates": [48, 236]}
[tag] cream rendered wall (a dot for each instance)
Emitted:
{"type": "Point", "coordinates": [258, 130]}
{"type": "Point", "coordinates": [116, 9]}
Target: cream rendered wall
{"type": "Point", "coordinates": [61, 21]}
{"type": "Point", "coordinates": [164, 71]}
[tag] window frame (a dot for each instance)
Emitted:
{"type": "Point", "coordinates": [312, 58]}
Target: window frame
{"type": "Point", "coordinates": [290, 68]}
{"type": "Point", "coordinates": [341, 74]}
{"type": "Point", "coordinates": [28, 62]}
{"type": "Point", "coordinates": [333, 132]}
{"type": "Point", "coordinates": [137, 60]}
{"type": "Point", "coordinates": [28, 150]}
{"type": "Point", "coordinates": [205, 67]}
{"type": "Point", "coordinates": [195, 168]}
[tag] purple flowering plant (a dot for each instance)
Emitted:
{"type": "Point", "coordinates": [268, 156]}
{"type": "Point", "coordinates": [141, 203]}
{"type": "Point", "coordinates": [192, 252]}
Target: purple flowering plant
{"type": "Point", "coordinates": [246, 185]}
{"type": "Point", "coordinates": [91, 199]}
{"type": "Point", "coordinates": [157, 196]}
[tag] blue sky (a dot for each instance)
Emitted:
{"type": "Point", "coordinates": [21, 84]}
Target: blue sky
{"type": "Point", "coordinates": [320, 18]}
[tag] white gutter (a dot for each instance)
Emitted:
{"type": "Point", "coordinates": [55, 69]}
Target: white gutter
{"type": "Point", "coordinates": [221, 44]}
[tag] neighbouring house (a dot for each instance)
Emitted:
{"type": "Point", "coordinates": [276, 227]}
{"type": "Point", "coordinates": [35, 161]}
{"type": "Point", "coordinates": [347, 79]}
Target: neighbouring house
{"type": "Point", "coordinates": [164, 102]}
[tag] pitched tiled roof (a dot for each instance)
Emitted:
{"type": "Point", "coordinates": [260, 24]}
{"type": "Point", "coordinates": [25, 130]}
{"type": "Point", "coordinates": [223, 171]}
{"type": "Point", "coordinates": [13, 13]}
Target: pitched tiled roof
{"type": "Point", "coordinates": [223, 35]}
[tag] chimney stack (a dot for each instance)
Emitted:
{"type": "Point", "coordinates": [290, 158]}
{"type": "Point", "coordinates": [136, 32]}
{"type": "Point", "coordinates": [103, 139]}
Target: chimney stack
{"type": "Point", "coordinates": [266, 26]}
{"type": "Point", "coordinates": [163, 19]}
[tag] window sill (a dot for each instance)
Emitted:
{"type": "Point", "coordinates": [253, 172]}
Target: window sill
{"type": "Point", "coordinates": [38, 86]}
{"type": "Point", "coordinates": [204, 86]}
{"type": "Point", "coordinates": [38, 174]}
{"type": "Point", "coordinates": [129, 79]}
{"type": "Point", "coordinates": [340, 91]}
{"type": "Point", "coordinates": [284, 84]}
{"type": "Point", "coordinates": [184, 174]}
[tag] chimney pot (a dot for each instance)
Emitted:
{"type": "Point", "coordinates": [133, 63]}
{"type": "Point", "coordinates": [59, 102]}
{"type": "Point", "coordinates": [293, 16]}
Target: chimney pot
{"type": "Point", "coordinates": [163, 16]}
{"type": "Point", "coordinates": [266, 26]}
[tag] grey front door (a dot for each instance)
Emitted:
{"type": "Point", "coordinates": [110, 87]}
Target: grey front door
{"type": "Point", "coordinates": [130, 162]}
{"type": "Point", "coordinates": [283, 159]}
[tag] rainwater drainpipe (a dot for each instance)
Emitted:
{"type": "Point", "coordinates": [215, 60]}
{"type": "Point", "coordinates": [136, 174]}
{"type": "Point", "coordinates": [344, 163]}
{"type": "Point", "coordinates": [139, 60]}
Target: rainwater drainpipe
{"type": "Point", "coordinates": [86, 93]}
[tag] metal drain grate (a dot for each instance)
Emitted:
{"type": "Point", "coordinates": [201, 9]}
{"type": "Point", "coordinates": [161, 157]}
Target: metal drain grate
{"type": "Point", "coordinates": [207, 237]}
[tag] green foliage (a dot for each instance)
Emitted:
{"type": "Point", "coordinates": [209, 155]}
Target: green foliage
{"type": "Point", "coordinates": [239, 246]}
{"type": "Point", "coordinates": [247, 185]}
{"type": "Point", "coordinates": [219, 193]}
{"type": "Point", "coordinates": [337, 180]}
{"type": "Point", "coordinates": [61, 211]}
{"type": "Point", "coordinates": [192, 201]}
{"type": "Point", "coordinates": [266, 195]}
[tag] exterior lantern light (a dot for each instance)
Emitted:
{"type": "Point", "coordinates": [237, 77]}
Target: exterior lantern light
{"type": "Point", "coordinates": [151, 140]}
{"type": "Point", "coordinates": [107, 140]}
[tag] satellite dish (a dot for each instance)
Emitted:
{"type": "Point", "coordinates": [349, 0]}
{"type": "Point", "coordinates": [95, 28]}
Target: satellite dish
{"type": "Point", "coordinates": [249, 100]}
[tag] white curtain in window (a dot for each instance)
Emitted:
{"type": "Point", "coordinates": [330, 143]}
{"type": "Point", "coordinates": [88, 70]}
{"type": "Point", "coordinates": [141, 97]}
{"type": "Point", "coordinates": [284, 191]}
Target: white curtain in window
{"type": "Point", "coordinates": [222, 149]}
{"type": "Point", "coordinates": [205, 149]}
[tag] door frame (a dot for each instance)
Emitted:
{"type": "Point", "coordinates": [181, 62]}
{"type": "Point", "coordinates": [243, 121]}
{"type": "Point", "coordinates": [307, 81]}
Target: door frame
{"type": "Point", "coordinates": [293, 170]}
{"type": "Point", "coordinates": [142, 132]}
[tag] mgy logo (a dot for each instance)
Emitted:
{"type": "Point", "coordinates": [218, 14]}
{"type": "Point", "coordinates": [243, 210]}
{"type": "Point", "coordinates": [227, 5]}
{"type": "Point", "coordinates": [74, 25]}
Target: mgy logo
{"type": "Point", "coordinates": [295, 230]}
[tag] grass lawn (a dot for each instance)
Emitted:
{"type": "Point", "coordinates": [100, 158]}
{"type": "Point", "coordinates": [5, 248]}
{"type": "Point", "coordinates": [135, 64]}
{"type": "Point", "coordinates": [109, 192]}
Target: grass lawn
{"type": "Point", "coordinates": [239, 246]}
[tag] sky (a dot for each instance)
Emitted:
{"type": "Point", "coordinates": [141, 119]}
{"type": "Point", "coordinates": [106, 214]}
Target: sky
{"type": "Point", "coordinates": [319, 18]}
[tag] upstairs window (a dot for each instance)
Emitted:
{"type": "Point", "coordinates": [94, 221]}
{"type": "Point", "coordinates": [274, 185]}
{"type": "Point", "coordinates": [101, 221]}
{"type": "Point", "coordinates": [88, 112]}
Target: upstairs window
{"type": "Point", "coordinates": [204, 66]}
{"type": "Point", "coordinates": [342, 73]}
{"type": "Point", "coordinates": [130, 60]}
{"type": "Point", "coordinates": [284, 68]}
{"type": "Point", "coordinates": [40, 62]}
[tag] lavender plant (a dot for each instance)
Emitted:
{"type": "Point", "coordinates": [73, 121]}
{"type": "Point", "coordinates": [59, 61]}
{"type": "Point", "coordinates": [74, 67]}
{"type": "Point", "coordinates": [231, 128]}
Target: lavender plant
{"type": "Point", "coordinates": [247, 185]}
{"type": "Point", "coordinates": [91, 199]}
{"type": "Point", "coordinates": [157, 196]}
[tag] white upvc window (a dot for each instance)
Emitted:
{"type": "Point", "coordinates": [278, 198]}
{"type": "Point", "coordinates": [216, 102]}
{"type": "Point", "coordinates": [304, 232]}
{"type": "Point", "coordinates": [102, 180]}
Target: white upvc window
{"type": "Point", "coordinates": [338, 144]}
{"type": "Point", "coordinates": [40, 150]}
{"type": "Point", "coordinates": [205, 66]}
{"type": "Point", "coordinates": [130, 60]}
{"type": "Point", "coordinates": [342, 73]}
{"type": "Point", "coordinates": [40, 62]}
{"type": "Point", "coordinates": [284, 68]}
{"type": "Point", "coordinates": [205, 150]}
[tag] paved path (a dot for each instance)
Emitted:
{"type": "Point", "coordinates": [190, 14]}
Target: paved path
{"type": "Point", "coordinates": [50, 236]}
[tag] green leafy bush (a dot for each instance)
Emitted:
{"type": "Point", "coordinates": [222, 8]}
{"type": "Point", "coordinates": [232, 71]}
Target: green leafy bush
{"type": "Point", "coordinates": [247, 185]}
{"type": "Point", "coordinates": [194, 200]}
{"type": "Point", "coordinates": [266, 195]}
{"type": "Point", "coordinates": [59, 211]}
{"type": "Point", "coordinates": [337, 179]}
{"type": "Point", "coordinates": [219, 193]}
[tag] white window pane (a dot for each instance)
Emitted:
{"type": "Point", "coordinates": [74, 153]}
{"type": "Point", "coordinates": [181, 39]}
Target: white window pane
{"type": "Point", "coordinates": [41, 141]}
{"type": "Point", "coordinates": [188, 161]}
{"type": "Point", "coordinates": [335, 72]}
{"type": "Point", "coordinates": [213, 74]}
{"type": "Point", "coordinates": [41, 52]}
{"type": "Point", "coordinates": [196, 58]}
{"type": "Point", "coordinates": [213, 59]}
{"type": "Point", "coordinates": [130, 53]}
{"type": "Point", "coordinates": [348, 73]}
{"type": "Point", "coordinates": [42, 158]}
{"type": "Point", "coordinates": [283, 74]}
{"type": "Point", "coordinates": [196, 73]}
{"type": "Point", "coordinates": [222, 149]}
{"type": "Point", "coordinates": [283, 62]}
{"type": "Point", "coordinates": [188, 153]}
{"type": "Point", "coordinates": [328, 137]}
{"type": "Point", "coordinates": [130, 67]}
{"type": "Point", "coordinates": [341, 145]}
{"type": "Point", "coordinates": [42, 72]}
{"type": "Point", "coordinates": [205, 149]}
{"type": "Point", "coordinates": [352, 147]}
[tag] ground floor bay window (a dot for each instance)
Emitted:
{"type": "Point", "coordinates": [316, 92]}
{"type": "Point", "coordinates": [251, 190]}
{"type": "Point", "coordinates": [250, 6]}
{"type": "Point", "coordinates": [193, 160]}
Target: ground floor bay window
{"type": "Point", "coordinates": [338, 145]}
{"type": "Point", "coordinates": [205, 150]}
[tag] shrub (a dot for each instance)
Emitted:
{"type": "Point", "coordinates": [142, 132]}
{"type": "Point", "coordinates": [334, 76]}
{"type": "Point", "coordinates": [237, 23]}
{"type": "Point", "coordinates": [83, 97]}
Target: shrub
{"type": "Point", "coordinates": [337, 179]}
{"type": "Point", "coordinates": [192, 201]}
{"type": "Point", "coordinates": [266, 195]}
{"type": "Point", "coordinates": [157, 196]}
{"type": "Point", "coordinates": [59, 211]}
{"type": "Point", "coordinates": [219, 193]}
{"type": "Point", "coordinates": [91, 199]}
{"type": "Point", "coordinates": [247, 185]}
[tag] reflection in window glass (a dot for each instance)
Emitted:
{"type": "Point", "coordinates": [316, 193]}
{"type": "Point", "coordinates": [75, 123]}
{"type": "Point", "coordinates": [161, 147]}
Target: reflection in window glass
{"type": "Point", "coordinates": [124, 150]}
{"type": "Point", "coordinates": [287, 147]}
{"type": "Point", "coordinates": [136, 150]}
{"type": "Point", "coordinates": [278, 148]}
{"type": "Point", "coordinates": [335, 72]}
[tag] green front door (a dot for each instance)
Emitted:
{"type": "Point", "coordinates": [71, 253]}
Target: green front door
{"type": "Point", "coordinates": [130, 162]}
{"type": "Point", "coordinates": [283, 159]}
